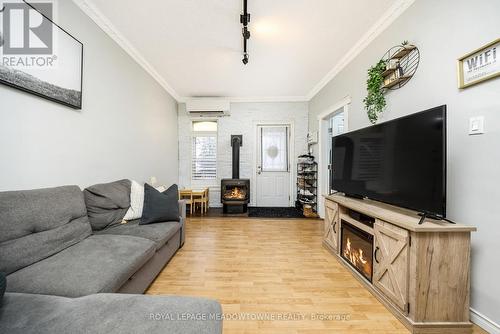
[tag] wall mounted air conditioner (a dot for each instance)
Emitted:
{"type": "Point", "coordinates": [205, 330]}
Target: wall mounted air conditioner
{"type": "Point", "coordinates": [207, 107]}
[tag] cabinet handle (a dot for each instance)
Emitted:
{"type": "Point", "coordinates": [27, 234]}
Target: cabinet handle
{"type": "Point", "coordinates": [334, 225]}
{"type": "Point", "coordinates": [375, 254]}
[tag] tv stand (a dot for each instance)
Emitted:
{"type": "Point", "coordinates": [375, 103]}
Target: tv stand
{"type": "Point", "coordinates": [420, 266]}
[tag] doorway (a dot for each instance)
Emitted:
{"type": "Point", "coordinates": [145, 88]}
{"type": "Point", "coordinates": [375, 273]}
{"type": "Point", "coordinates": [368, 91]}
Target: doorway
{"type": "Point", "coordinates": [332, 122]}
{"type": "Point", "coordinates": [335, 127]}
{"type": "Point", "coordinates": [273, 165]}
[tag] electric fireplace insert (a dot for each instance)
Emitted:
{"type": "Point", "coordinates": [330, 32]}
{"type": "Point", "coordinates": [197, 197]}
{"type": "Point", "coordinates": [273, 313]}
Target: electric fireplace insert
{"type": "Point", "coordinates": [357, 249]}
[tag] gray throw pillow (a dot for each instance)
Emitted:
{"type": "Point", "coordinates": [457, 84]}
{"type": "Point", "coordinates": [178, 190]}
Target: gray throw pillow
{"type": "Point", "coordinates": [160, 207]}
{"type": "Point", "coordinates": [107, 203]}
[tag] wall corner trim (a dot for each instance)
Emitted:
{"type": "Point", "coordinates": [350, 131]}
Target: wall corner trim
{"type": "Point", "coordinates": [102, 22]}
{"type": "Point", "coordinates": [484, 322]}
{"type": "Point", "coordinates": [383, 23]}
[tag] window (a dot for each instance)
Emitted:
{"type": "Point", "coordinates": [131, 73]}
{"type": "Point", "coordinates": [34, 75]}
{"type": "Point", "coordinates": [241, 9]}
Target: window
{"type": "Point", "coordinates": [274, 148]}
{"type": "Point", "coordinates": [204, 151]}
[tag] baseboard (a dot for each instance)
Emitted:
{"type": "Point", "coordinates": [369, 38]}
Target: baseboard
{"type": "Point", "coordinates": [484, 322]}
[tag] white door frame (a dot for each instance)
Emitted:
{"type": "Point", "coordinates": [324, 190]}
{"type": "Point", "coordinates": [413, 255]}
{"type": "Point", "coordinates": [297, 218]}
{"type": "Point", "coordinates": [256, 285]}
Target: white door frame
{"type": "Point", "coordinates": [322, 148]}
{"type": "Point", "coordinates": [291, 155]}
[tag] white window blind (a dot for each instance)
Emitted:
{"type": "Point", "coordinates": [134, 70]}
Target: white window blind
{"type": "Point", "coordinates": [204, 151]}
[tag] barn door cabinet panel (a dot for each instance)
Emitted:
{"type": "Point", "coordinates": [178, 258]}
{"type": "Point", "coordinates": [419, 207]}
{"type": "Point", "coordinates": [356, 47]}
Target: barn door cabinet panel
{"type": "Point", "coordinates": [391, 262]}
{"type": "Point", "coordinates": [331, 235]}
{"type": "Point", "coordinates": [421, 273]}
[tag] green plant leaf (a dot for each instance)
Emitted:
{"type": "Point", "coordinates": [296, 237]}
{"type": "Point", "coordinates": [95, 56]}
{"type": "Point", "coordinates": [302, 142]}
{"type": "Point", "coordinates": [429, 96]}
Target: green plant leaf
{"type": "Point", "coordinates": [375, 100]}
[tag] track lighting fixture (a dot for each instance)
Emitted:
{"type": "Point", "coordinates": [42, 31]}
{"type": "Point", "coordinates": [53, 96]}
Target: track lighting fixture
{"type": "Point", "coordinates": [245, 20]}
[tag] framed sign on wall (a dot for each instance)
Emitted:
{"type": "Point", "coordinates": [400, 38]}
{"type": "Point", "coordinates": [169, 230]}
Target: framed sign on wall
{"type": "Point", "coordinates": [479, 65]}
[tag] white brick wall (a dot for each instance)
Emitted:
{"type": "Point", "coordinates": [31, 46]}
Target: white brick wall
{"type": "Point", "coordinates": [242, 121]}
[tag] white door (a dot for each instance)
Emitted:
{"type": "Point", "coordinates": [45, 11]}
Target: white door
{"type": "Point", "coordinates": [273, 166]}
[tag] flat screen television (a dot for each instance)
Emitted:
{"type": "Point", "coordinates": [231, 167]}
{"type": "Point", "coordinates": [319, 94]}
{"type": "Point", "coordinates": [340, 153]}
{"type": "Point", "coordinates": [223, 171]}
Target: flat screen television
{"type": "Point", "coordinates": [400, 162]}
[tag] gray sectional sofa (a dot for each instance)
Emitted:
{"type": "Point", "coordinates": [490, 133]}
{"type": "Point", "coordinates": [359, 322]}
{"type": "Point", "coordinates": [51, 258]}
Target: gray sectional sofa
{"type": "Point", "coordinates": [63, 276]}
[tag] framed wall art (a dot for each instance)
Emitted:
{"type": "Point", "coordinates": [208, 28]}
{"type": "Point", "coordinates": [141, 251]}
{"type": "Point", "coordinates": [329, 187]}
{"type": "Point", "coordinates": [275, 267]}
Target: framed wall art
{"type": "Point", "coordinates": [38, 56]}
{"type": "Point", "coordinates": [479, 65]}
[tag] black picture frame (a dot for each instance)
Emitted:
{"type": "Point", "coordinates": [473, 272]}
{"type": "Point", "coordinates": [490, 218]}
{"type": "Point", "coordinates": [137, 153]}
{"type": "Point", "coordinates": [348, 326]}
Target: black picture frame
{"type": "Point", "coordinates": [74, 100]}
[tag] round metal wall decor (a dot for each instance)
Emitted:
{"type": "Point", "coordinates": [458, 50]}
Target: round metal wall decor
{"type": "Point", "coordinates": [401, 64]}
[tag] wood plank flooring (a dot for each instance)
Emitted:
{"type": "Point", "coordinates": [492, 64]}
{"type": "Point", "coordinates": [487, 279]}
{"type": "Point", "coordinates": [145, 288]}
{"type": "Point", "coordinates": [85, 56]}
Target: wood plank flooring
{"type": "Point", "coordinates": [272, 268]}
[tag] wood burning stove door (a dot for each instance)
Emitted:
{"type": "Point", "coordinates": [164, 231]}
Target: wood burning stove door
{"type": "Point", "coordinates": [273, 166]}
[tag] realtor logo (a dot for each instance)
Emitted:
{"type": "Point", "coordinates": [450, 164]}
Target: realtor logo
{"type": "Point", "coordinates": [24, 30]}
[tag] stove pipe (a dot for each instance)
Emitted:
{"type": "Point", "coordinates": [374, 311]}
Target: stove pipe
{"type": "Point", "coordinates": [236, 143]}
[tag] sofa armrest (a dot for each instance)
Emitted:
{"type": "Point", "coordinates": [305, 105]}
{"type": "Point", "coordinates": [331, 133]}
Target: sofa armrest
{"type": "Point", "coordinates": [182, 208]}
{"type": "Point", "coordinates": [182, 221]}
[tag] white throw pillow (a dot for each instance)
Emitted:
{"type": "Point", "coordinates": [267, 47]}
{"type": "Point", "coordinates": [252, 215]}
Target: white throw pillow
{"type": "Point", "coordinates": [136, 202]}
{"type": "Point", "coordinates": [161, 188]}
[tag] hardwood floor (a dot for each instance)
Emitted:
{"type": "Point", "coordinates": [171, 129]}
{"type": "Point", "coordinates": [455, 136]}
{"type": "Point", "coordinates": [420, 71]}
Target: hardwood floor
{"type": "Point", "coordinates": [271, 268]}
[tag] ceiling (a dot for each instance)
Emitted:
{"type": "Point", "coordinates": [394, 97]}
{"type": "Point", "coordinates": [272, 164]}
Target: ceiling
{"type": "Point", "coordinates": [194, 47]}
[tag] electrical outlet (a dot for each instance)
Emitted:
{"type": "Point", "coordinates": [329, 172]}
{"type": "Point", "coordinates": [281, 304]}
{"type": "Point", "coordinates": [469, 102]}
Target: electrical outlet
{"type": "Point", "coordinates": [476, 125]}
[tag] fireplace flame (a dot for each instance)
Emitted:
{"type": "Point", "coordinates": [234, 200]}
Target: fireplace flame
{"type": "Point", "coordinates": [354, 256]}
{"type": "Point", "coordinates": [235, 193]}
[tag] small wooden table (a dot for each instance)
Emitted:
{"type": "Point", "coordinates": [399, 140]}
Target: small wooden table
{"type": "Point", "coordinates": [195, 196]}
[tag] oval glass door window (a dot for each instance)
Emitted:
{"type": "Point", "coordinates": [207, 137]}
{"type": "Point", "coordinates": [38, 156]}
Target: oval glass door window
{"type": "Point", "coordinates": [274, 149]}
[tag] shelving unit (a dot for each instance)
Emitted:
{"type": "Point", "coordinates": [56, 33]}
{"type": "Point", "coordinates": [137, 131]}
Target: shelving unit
{"type": "Point", "coordinates": [397, 81]}
{"type": "Point", "coordinates": [402, 52]}
{"type": "Point", "coordinates": [407, 58]}
{"type": "Point", "coordinates": [307, 183]}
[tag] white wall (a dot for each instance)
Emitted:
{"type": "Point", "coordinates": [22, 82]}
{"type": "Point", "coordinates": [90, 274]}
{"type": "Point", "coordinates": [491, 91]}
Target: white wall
{"type": "Point", "coordinates": [444, 31]}
{"type": "Point", "coordinates": [126, 129]}
{"type": "Point", "coordinates": [242, 121]}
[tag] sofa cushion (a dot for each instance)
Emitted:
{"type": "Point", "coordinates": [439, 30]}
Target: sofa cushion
{"type": "Point", "coordinates": [158, 233]}
{"type": "Point", "coordinates": [3, 283]}
{"type": "Point", "coordinates": [160, 207]}
{"type": "Point", "coordinates": [107, 203]}
{"type": "Point", "coordinates": [100, 263]}
{"type": "Point", "coordinates": [35, 224]}
{"type": "Point", "coordinates": [109, 313]}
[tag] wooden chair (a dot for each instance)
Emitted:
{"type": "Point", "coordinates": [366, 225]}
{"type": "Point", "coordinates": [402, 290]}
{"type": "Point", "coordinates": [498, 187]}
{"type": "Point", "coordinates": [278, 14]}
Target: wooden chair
{"type": "Point", "coordinates": [199, 198]}
{"type": "Point", "coordinates": [187, 195]}
{"type": "Point", "coordinates": [207, 199]}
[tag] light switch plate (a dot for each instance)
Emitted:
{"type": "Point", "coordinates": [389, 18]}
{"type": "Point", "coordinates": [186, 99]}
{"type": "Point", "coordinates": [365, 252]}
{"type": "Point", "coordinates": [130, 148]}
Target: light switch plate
{"type": "Point", "coordinates": [476, 125]}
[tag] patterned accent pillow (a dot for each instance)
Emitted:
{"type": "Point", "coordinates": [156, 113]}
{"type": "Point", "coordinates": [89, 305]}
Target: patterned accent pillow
{"type": "Point", "coordinates": [136, 202]}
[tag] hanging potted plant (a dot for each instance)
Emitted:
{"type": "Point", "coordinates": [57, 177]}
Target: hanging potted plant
{"type": "Point", "coordinates": [375, 100]}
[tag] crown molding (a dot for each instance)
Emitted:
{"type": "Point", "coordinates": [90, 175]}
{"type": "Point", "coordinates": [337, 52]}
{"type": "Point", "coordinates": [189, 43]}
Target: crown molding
{"type": "Point", "coordinates": [385, 21]}
{"type": "Point", "coordinates": [102, 21]}
{"type": "Point", "coordinates": [243, 99]}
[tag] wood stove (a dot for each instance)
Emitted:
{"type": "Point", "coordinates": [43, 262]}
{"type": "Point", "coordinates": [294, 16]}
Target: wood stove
{"type": "Point", "coordinates": [357, 249]}
{"type": "Point", "coordinates": [235, 192]}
